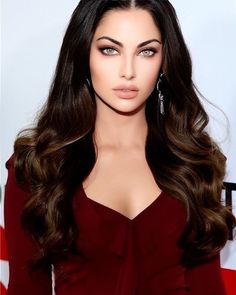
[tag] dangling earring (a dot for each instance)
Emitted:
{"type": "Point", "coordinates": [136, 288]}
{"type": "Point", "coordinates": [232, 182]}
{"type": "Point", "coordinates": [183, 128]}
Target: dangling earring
{"type": "Point", "coordinates": [88, 82]}
{"type": "Point", "coordinates": [160, 95]}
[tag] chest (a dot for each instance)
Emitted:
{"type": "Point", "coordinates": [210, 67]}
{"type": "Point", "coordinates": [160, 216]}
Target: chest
{"type": "Point", "coordinates": [124, 183]}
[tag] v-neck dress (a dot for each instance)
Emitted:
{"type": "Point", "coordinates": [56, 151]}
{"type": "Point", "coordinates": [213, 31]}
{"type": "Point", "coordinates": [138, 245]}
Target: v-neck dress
{"type": "Point", "coordinates": [118, 255]}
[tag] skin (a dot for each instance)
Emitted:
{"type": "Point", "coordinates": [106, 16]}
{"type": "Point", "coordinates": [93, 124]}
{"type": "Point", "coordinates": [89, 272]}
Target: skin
{"type": "Point", "coordinates": [121, 127]}
{"type": "Point", "coordinates": [128, 65]}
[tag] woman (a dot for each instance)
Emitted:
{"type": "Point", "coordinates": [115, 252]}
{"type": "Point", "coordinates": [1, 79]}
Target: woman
{"type": "Point", "coordinates": [117, 188]}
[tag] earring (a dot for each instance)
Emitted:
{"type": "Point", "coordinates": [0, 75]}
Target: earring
{"type": "Point", "coordinates": [160, 95]}
{"type": "Point", "coordinates": [161, 98]}
{"type": "Point", "coordinates": [88, 82]}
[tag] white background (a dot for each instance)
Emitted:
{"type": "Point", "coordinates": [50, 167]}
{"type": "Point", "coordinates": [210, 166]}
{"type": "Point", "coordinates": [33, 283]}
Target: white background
{"type": "Point", "coordinates": [31, 37]}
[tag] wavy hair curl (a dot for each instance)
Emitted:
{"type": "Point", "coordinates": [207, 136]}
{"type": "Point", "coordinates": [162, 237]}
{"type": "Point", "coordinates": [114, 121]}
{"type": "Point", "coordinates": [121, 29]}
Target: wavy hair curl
{"type": "Point", "coordinates": [55, 156]}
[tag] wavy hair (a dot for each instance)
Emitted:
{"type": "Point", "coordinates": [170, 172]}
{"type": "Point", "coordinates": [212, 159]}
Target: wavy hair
{"type": "Point", "coordinates": [55, 156]}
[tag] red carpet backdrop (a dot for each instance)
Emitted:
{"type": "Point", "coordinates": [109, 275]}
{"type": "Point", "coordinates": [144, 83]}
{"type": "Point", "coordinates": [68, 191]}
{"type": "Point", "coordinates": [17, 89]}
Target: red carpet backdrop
{"type": "Point", "coordinates": [31, 40]}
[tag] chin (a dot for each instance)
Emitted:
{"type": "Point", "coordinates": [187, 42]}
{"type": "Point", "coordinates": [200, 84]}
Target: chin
{"type": "Point", "coordinates": [128, 110]}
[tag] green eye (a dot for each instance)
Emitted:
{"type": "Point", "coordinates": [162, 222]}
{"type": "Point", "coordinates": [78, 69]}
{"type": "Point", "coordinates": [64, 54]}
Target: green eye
{"type": "Point", "coordinates": [108, 50]}
{"type": "Point", "coordinates": [148, 52]}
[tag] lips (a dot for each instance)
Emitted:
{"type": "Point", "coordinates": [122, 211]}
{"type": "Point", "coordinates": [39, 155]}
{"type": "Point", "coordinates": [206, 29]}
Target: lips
{"type": "Point", "coordinates": [126, 91]}
{"type": "Point", "coordinates": [124, 87]}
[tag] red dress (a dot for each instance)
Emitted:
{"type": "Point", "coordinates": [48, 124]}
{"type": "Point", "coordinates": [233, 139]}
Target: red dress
{"type": "Point", "coordinates": [120, 256]}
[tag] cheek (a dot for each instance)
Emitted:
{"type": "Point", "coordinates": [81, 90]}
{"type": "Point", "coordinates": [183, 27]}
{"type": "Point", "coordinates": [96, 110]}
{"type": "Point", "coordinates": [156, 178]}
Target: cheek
{"type": "Point", "coordinates": [150, 75]}
{"type": "Point", "coordinates": [150, 70]}
{"type": "Point", "coordinates": [100, 71]}
{"type": "Point", "coordinates": [94, 67]}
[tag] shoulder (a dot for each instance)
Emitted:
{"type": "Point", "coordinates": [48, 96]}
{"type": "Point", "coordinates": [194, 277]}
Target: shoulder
{"type": "Point", "coordinates": [13, 188]}
{"type": "Point", "coordinates": [10, 166]}
{"type": "Point", "coordinates": [10, 162]}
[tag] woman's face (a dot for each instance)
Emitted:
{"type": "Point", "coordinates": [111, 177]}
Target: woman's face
{"type": "Point", "coordinates": [118, 59]}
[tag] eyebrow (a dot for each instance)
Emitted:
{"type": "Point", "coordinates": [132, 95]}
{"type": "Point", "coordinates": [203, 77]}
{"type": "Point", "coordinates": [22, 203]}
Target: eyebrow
{"type": "Point", "coordinates": [121, 45]}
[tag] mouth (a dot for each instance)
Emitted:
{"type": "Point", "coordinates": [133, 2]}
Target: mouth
{"type": "Point", "coordinates": [125, 87]}
{"type": "Point", "coordinates": [125, 93]}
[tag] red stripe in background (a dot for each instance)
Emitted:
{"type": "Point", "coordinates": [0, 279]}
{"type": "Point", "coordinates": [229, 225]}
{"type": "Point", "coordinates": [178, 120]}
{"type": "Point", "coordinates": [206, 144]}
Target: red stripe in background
{"type": "Point", "coordinates": [3, 290]}
{"type": "Point", "coordinates": [229, 277]}
{"type": "Point", "coordinates": [3, 256]}
{"type": "Point", "coordinates": [3, 248]}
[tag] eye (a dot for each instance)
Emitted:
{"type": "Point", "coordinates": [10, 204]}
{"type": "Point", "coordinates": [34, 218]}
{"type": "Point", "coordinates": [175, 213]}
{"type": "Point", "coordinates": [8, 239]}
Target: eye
{"type": "Point", "coordinates": [108, 50]}
{"type": "Point", "coordinates": [149, 52]}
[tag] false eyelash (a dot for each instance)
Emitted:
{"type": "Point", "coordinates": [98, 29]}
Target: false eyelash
{"type": "Point", "coordinates": [107, 47]}
{"type": "Point", "coordinates": [150, 49]}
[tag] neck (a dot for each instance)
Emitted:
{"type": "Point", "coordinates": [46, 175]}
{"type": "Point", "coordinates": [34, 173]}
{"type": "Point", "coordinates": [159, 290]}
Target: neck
{"type": "Point", "coordinates": [120, 130]}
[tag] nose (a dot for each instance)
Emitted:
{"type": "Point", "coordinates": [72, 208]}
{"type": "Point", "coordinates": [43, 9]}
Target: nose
{"type": "Point", "coordinates": [127, 68]}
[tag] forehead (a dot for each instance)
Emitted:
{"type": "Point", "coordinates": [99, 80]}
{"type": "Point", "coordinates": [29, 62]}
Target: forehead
{"type": "Point", "coordinates": [131, 24]}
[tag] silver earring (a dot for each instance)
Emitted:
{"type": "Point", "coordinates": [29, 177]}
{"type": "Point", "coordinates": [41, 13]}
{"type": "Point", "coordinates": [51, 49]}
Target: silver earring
{"type": "Point", "coordinates": [160, 95]}
{"type": "Point", "coordinates": [161, 98]}
{"type": "Point", "coordinates": [88, 82]}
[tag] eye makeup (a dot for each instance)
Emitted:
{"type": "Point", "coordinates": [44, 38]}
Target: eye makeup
{"type": "Point", "coordinates": [104, 50]}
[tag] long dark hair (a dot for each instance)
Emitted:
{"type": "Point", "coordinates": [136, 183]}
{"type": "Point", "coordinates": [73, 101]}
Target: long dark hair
{"type": "Point", "coordinates": [55, 156]}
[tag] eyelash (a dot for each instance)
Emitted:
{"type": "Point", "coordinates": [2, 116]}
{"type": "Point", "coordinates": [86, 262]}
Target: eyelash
{"type": "Point", "coordinates": [154, 51]}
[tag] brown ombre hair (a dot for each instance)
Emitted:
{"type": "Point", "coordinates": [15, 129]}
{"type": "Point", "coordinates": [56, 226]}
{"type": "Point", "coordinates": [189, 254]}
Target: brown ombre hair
{"type": "Point", "coordinates": [55, 156]}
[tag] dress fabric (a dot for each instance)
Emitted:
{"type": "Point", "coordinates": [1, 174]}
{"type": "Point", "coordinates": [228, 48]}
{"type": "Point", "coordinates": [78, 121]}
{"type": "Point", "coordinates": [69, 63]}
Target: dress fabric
{"type": "Point", "coordinates": [118, 255]}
